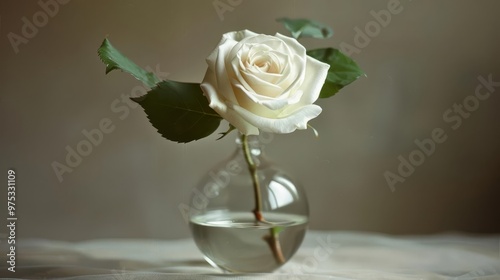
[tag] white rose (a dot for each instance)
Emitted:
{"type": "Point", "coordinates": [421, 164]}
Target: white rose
{"type": "Point", "coordinates": [257, 81]}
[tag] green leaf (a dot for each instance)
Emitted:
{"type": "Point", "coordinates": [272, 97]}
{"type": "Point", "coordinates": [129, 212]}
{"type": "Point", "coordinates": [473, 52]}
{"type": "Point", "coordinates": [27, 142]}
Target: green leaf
{"type": "Point", "coordinates": [343, 70]}
{"type": "Point", "coordinates": [179, 111]}
{"type": "Point", "coordinates": [306, 28]}
{"type": "Point", "coordinates": [116, 60]}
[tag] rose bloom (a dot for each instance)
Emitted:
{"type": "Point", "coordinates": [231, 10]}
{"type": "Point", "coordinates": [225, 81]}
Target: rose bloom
{"type": "Point", "coordinates": [262, 82]}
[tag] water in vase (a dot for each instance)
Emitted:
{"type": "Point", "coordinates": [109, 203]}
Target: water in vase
{"type": "Point", "coordinates": [235, 242]}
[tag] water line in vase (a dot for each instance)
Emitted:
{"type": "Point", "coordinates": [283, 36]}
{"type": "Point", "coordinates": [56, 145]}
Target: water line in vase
{"type": "Point", "coordinates": [273, 238]}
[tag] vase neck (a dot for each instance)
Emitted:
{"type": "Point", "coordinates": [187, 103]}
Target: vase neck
{"type": "Point", "coordinates": [254, 145]}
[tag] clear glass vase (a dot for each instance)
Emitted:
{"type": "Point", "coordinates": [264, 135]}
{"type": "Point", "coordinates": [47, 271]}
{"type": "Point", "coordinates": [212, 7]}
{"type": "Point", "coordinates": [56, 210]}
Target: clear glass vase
{"type": "Point", "coordinates": [241, 225]}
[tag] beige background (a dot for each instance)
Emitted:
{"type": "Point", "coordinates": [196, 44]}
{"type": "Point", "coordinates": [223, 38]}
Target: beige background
{"type": "Point", "coordinates": [426, 59]}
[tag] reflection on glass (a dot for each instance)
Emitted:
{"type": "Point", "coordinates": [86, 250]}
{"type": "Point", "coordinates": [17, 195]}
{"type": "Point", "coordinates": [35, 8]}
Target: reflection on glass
{"type": "Point", "coordinates": [281, 193]}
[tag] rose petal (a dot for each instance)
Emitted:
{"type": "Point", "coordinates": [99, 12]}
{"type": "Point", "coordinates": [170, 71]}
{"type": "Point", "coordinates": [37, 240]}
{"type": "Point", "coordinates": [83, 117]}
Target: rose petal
{"type": "Point", "coordinates": [239, 35]}
{"type": "Point", "coordinates": [216, 102]}
{"type": "Point", "coordinates": [219, 106]}
{"type": "Point", "coordinates": [269, 102]}
{"type": "Point", "coordinates": [237, 121]}
{"type": "Point", "coordinates": [223, 76]}
{"type": "Point", "coordinates": [314, 79]}
{"type": "Point", "coordinates": [297, 75]}
{"type": "Point", "coordinates": [293, 44]}
{"type": "Point", "coordinates": [287, 124]}
{"type": "Point", "coordinates": [261, 87]}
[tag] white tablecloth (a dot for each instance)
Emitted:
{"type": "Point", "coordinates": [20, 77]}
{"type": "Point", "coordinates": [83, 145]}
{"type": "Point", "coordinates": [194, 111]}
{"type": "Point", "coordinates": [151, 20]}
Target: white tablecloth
{"type": "Point", "coordinates": [323, 255]}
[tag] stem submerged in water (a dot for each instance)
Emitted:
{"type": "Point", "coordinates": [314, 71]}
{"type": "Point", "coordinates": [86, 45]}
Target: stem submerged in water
{"type": "Point", "coordinates": [273, 238]}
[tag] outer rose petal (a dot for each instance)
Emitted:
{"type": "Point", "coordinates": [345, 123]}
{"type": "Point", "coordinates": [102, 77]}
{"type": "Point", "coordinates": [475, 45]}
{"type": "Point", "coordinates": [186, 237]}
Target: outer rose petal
{"type": "Point", "coordinates": [314, 79]}
{"type": "Point", "coordinates": [239, 35]}
{"type": "Point", "coordinates": [217, 65]}
{"type": "Point", "coordinates": [219, 106]}
{"type": "Point", "coordinates": [293, 44]}
{"type": "Point", "coordinates": [287, 124]}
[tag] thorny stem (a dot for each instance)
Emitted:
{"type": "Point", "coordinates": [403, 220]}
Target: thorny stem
{"type": "Point", "coordinates": [273, 238]}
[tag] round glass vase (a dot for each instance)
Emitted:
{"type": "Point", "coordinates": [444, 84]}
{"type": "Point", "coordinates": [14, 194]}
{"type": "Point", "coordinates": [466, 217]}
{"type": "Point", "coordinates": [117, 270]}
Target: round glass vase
{"type": "Point", "coordinates": [248, 215]}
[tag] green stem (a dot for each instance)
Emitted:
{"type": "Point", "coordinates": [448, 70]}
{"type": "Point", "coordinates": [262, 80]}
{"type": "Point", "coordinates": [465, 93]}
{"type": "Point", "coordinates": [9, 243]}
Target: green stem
{"type": "Point", "coordinates": [273, 238]}
{"type": "Point", "coordinates": [253, 172]}
{"type": "Point", "coordinates": [274, 243]}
